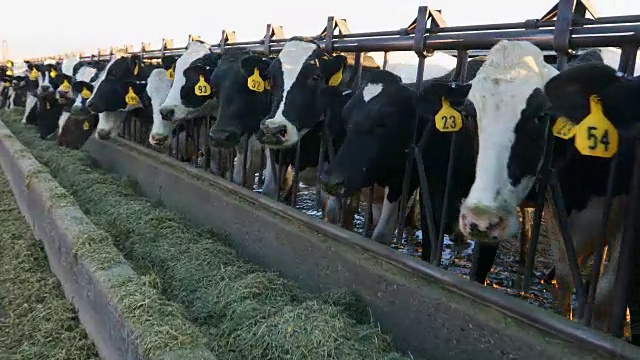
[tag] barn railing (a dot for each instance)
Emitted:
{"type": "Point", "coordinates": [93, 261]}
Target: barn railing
{"type": "Point", "coordinates": [561, 31]}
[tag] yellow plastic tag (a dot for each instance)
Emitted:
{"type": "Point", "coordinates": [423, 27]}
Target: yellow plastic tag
{"type": "Point", "coordinates": [131, 98]}
{"type": "Point", "coordinates": [65, 86]}
{"type": "Point", "coordinates": [596, 135]}
{"type": "Point", "coordinates": [564, 128]}
{"type": "Point", "coordinates": [136, 69]}
{"type": "Point", "coordinates": [85, 93]}
{"type": "Point", "coordinates": [336, 78]}
{"type": "Point", "coordinates": [9, 63]}
{"type": "Point", "coordinates": [34, 74]}
{"type": "Point", "coordinates": [448, 119]}
{"type": "Point", "coordinates": [202, 88]}
{"type": "Point", "coordinates": [9, 72]}
{"type": "Point", "coordinates": [53, 73]}
{"type": "Point", "coordinates": [171, 73]}
{"type": "Point", "coordinates": [255, 82]}
{"type": "Point", "coordinates": [85, 125]}
{"type": "Point", "coordinates": [6, 83]}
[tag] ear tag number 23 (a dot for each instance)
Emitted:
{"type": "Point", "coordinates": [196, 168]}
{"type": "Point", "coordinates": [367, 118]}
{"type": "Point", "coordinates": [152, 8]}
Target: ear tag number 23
{"type": "Point", "coordinates": [448, 119]}
{"type": "Point", "coordinates": [202, 88]}
{"type": "Point", "coordinates": [596, 135]}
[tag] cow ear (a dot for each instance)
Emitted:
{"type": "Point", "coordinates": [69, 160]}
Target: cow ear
{"type": "Point", "coordinates": [332, 68]}
{"type": "Point", "coordinates": [582, 80]}
{"type": "Point", "coordinates": [168, 61]}
{"type": "Point", "coordinates": [135, 62]}
{"type": "Point", "coordinates": [250, 63]}
{"type": "Point", "coordinates": [139, 87]}
{"type": "Point", "coordinates": [434, 94]}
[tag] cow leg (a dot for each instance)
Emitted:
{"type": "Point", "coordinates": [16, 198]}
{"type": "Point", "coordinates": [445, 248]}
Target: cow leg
{"type": "Point", "coordinates": [383, 233]}
{"type": "Point", "coordinates": [239, 165]}
{"type": "Point", "coordinates": [563, 288]}
{"type": "Point", "coordinates": [31, 102]}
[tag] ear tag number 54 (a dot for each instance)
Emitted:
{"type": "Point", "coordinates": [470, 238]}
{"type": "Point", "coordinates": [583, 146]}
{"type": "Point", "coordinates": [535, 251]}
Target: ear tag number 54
{"type": "Point", "coordinates": [596, 135]}
{"type": "Point", "coordinates": [202, 88]}
{"type": "Point", "coordinates": [448, 119]}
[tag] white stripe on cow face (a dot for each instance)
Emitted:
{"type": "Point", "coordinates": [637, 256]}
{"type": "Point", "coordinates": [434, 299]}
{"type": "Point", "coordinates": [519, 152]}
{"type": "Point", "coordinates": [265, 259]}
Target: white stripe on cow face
{"type": "Point", "coordinates": [43, 81]}
{"type": "Point", "coordinates": [293, 56]}
{"type": "Point", "coordinates": [370, 91]}
{"type": "Point", "coordinates": [158, 87]}
{"type": "Point", "coordinates": [62, 120]}
{"type": "Point", "coordinates": [103, 74]}
{"type": "Point", "coordinates": [499, 92]}
{"type": "Point", "coordinates": [195, 50]}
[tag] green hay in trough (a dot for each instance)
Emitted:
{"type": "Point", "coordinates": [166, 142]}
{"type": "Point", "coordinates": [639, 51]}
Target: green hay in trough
{"type": "Point", "coordinates": [245, 312]}
{"type": "Point", "coordinates": [36, 320]}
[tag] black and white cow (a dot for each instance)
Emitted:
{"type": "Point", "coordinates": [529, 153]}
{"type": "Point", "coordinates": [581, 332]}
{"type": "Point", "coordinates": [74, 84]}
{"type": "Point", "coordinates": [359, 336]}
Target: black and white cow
{"type": "Point", "coordinates": [380, 120]}
{"type": "Point", "coordinates": [34, 75]}
{"type": "Point", "coordinates": [191, 95]}
{"type": "Point", "coordinates": [49, 107]}
{"type": "Point", "coordinates": [511, 102]}
{"type": "Point", "coordinates": [76, 124]}
{"type": "Point", "coordinates": [158, 87]}
{"type": "Point", "coordinates": [121, 87]}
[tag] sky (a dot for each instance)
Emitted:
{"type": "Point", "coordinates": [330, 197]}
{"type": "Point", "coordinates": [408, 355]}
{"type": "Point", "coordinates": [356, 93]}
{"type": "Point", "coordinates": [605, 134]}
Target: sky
{"type": "Point", "coordinates": [77, 25]}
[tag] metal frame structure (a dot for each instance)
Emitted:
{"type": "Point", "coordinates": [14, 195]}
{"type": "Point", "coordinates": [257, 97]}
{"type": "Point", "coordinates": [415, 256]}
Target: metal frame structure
{"type": "Point", "coordinates": [561, 31]}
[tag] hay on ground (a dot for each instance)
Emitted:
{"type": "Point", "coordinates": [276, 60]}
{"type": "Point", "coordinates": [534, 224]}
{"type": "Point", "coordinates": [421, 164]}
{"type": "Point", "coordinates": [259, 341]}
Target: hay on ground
{"type": "Point", "coordinates": [246, 313]}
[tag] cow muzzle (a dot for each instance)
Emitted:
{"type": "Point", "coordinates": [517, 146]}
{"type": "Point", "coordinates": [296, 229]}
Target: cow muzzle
{"type": "Point", "coordinates": [103, 134]}
{"type": "Point", "coordinates": [224, 138]}
{"type": "Point", "coordinates": [485, 224]}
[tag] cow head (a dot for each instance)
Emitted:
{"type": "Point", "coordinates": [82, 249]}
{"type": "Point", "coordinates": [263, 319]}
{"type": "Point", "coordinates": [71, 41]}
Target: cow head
{"type": "Point", "coordinates": [242, 89]}
{"type": "Point", "coordinates": [296, 77]}
{"type": "Point", "coordinates": [50, 78]}
{"type": "Point", "coordinates": [379, 119]}
{"type": "Point", "coordinates": [191, 94]}
{"type": "Point", "coordinates": [158, 87]}
{"type": "Point", "coordinates": [82, 88]}
{"type": "Point", "coordinates": [111, 90]}
{"type": "Point", "coordinates": [511, 110]}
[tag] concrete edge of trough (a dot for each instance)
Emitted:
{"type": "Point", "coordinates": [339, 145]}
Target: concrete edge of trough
{"type": "Point", "coordinates": [90, 269]}
{"type": "Point", "coordinates": [549, 326]}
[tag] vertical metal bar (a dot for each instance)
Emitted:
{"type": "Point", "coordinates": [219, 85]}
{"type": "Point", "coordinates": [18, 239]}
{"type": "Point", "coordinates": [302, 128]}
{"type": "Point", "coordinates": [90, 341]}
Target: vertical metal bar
{"type": "Point", "coordinates": [561, 217]}
{"type": "Point", "coordinates": [623, 278]}
{"type": "Point", "coordinates": [207, 148]}
{"type": "Point", "coordinates": [420, 31]}
{"type": "Point", "coordinates": [542, 184]}
{"type": "Point", "coordinates": [295, 181]}
{"type": "Point", "coordinates": [245, 157]}
{"type": "Point", "coordinates": [436, 255]}
{"type": "Point", "coordinates": [597, 257]}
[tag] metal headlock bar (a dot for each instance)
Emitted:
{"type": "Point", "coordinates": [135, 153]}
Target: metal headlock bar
{"type": "Point", "coordinates": [560, 33]}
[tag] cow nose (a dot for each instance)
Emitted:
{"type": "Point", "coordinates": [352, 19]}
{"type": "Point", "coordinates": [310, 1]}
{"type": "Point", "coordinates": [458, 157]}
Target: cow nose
{"type": "Point", "coordinates": [223, 138]}
{"type": "Point", "coordinates": [272, 135]}
{"type": "Point", "coordinates": [91, 107]}
{"type": "Point", "coordinates": [484, 224]}
{"type": "Point", "coordinates": [103, 134]}
{"type": "Point", "coordinates": [158, 140]}
{"type": "Point", "coordinates": [45, 88]}
{"type": "Point", "coordinates": [167, 114]}
{"type": "Point", "coordinates": [75, 109]}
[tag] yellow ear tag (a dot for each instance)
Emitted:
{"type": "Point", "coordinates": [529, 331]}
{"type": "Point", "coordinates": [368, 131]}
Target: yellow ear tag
{"type": "Point", "coordinates": [136, 69]}
{"type": "Point", "coordinates": [6, 83]}
{"type": "Point", "coordinates": [9, 72]}
{"type": "Point", "coordinates": [53, 74]}
{"type": "Point", "coordinates": [448, 119]}
{"type": "Point", "coordinates": [564, 128]}
{"type": "Point", "coordinates": [85, 125]}
{"type": "Point", "coordinates": [171, 73]}
{"type": "Point", "coordinates": [131, 98]}
{"type": "Point", "coordinates": [85, 93]}
{"type": "Point", "coordinates": [336, 78]}
{"type": "Point", "coordinates": [202, 88]}
{"type": "Point", "coordinates": [34, 74]}
{"type": "Point", "coordinates": [65, 86]}
{"type": "Point", "coordinates": [255, 82]}
{"type": "Point", "coordinates": [596, 135]}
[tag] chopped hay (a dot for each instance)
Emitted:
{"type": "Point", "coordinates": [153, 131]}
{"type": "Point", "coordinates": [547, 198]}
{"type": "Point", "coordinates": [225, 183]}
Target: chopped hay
{"type": "Point", "coordinates": [245, 312]}
{"type": "Point", "coordinates": [36, 320]}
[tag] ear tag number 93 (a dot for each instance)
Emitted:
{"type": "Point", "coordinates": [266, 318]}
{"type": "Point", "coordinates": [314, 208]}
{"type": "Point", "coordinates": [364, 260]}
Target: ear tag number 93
{"type": "Point", "coordinates": [202, 88]}
{"type": "Point", "coordinates": [448, 119]}
{"type": "Point", "coordinates": [596, 135]}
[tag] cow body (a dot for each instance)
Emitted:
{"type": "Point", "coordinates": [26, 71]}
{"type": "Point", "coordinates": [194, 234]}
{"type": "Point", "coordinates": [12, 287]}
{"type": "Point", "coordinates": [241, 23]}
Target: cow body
{"type": "Point", "coordinates": [511, 103]}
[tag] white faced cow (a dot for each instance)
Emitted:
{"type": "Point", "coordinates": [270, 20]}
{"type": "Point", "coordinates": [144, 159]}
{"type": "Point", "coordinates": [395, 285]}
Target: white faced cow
{"type": "Point", "coordinates": [509, 97]}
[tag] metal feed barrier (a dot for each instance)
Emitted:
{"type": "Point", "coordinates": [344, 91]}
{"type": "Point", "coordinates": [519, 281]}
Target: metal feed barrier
{"type": "Point", "coordinates": [559, 32]}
